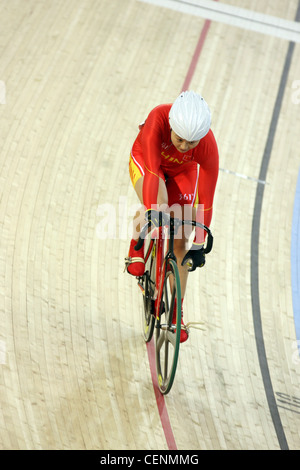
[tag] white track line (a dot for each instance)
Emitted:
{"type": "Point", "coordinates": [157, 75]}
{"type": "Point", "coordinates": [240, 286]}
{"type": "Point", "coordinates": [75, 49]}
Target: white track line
{"type": "Point", "coordinates": [234, 16]}
{"type": "Point", "coordinates": [240, 175]}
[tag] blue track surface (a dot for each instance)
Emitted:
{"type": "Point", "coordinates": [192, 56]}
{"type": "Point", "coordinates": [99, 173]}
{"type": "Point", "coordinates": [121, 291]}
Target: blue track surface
{"type": "Point", "coordinates": [295, 261]}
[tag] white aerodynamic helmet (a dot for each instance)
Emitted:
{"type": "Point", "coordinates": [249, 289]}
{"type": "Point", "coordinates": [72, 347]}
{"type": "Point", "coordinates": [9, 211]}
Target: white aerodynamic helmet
{"type": "Point", "coordinates": [190, 116]}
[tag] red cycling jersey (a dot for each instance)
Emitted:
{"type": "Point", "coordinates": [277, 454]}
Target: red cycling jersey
{"type": "Point", "coordinates": [160, 157]}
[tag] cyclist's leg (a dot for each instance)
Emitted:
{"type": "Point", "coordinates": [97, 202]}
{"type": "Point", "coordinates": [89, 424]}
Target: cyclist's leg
{"type": "Point", "coordinates": [181, 191]}
{"type": "Point", "coordinates": [135, 261]}
{"type": "Point", "coordinates": [137, 172]}
{"type": "Point", "coordinates": [181, 245]}
{"type": "Point", "coordinates": [183, 275]}
{"type": "Point", "coordinates": [162, 201]}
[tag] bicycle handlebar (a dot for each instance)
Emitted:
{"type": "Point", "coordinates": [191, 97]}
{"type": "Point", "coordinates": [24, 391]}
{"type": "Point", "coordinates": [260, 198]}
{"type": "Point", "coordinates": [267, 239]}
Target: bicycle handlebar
{"type": "Point", "coordinates": [177, 223]}
{"type": "Point", "coordinates": [143, 233]}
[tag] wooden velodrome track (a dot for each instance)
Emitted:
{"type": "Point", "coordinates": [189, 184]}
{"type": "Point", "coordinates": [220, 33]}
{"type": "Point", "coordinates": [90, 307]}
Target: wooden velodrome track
{"type": "Point", "coordinates": [76, 79]}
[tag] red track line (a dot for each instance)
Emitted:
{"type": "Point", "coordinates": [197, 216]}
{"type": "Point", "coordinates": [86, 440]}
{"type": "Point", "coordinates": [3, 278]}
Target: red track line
{"type": "Point", "coordinates": [196, 56]}
{"type": "Point", "coordinates": [160, 400]}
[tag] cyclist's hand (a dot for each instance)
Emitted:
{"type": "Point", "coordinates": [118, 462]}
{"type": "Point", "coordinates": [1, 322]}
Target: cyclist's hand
{"type": "Point", "coordinates": [195, 258]}
{"type": "Point", "coordinates": [153, 216]}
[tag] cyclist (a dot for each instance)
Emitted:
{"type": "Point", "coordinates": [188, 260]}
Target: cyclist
{"type": "Point", "coordinates": [174, 162]}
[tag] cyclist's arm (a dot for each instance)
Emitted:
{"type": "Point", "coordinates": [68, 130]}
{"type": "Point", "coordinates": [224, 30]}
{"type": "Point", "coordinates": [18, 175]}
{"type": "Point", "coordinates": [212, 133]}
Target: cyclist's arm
{"type": "Point", "coordinates": [208, 175]}
{"type": "Point", "coordinates": [150, 188]}
{"type": "Point", "coordinates": [151, 146]}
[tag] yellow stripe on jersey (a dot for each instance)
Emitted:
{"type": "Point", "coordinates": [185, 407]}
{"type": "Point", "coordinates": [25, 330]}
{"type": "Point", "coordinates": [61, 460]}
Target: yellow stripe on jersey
{"type": "Point", "coordinates": [134, 171]}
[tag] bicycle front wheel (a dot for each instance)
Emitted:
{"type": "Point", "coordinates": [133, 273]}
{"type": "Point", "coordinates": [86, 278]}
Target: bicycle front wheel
{"type": "Point", "coordinates": [167, 339]}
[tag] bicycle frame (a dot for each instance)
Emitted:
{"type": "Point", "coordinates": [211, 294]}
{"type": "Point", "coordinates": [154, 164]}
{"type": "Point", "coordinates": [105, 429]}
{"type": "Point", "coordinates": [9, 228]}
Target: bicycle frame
{"type": "Point", "coordinates": [161, 262]}
{"type": "Point", "coordinates": [159, 250]}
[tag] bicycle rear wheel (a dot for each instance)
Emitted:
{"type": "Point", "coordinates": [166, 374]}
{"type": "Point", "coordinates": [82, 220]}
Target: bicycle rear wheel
{"type": "Point", "coordinates": [167, 335]}
{"type": "Point", "coordinates": [149, 290]}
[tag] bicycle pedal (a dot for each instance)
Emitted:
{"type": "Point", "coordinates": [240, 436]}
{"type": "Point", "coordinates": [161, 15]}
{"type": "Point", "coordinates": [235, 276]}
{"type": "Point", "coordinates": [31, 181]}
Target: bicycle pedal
{"type": "Point", "coordinates": [130, 260]}
{"type": "Point", "coordinates": [127, 263]}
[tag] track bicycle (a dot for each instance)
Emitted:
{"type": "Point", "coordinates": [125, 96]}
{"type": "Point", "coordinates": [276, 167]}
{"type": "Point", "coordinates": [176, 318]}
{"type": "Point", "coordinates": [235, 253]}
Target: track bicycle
{"type": "Point", "coordinates": [160, 285]}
